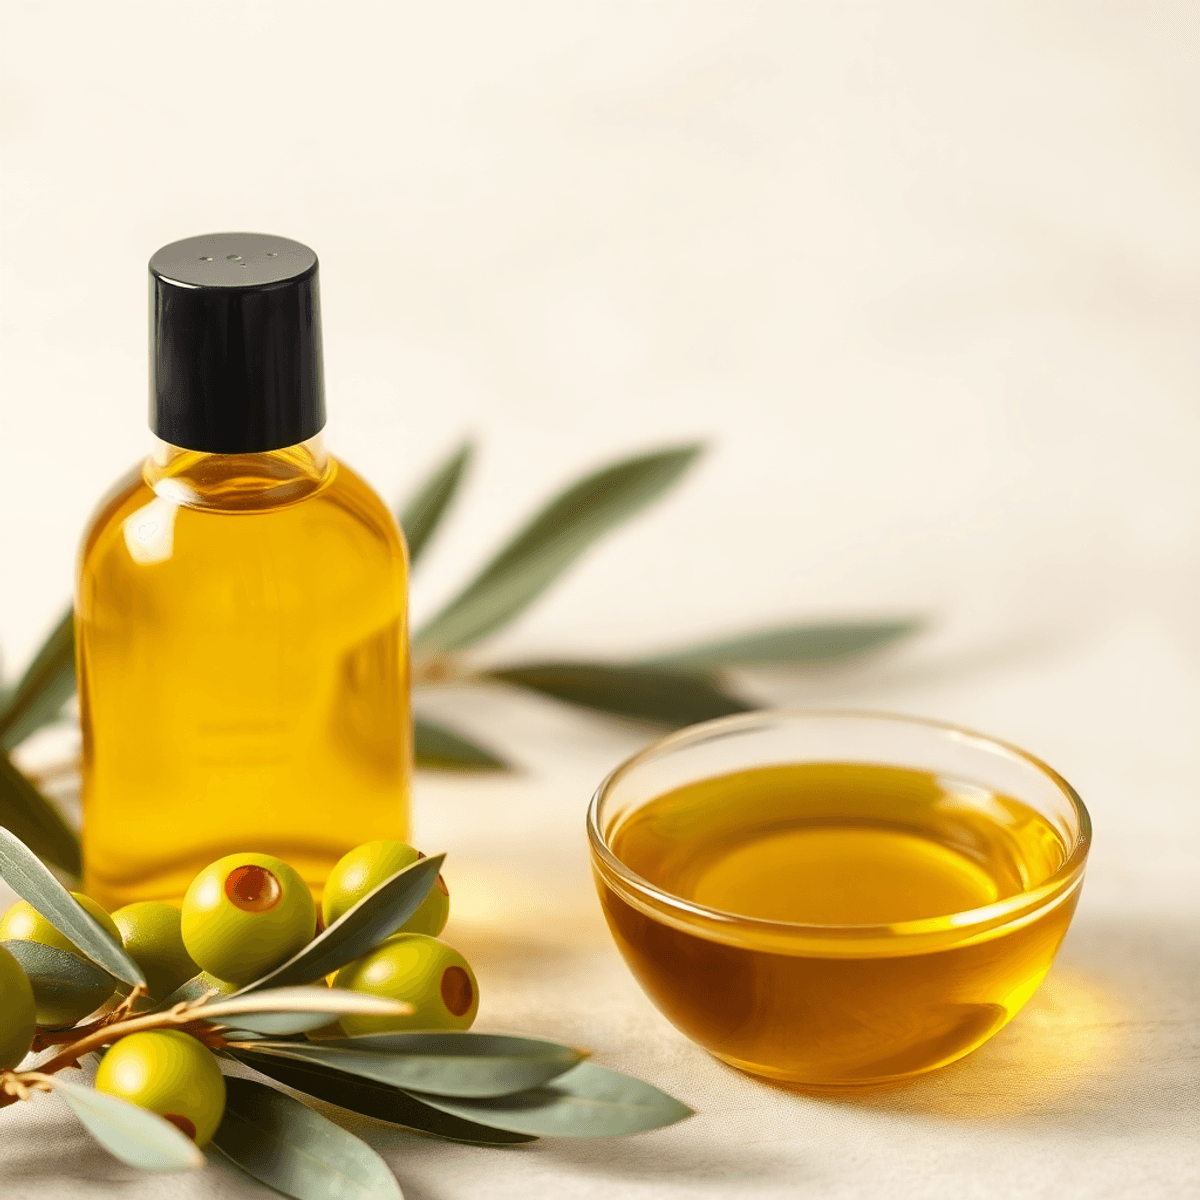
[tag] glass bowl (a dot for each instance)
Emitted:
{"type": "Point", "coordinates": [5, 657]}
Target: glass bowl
{"type": "Point", "coordinates": [892, 991]}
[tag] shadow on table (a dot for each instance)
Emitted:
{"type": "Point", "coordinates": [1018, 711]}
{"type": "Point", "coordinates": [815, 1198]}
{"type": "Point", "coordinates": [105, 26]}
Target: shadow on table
{"type": "Point", "coordinates": [723, 1166]}
{"type": "Point", "coordinates": [670, 1156]}
{"type": "Point", "coordinates": [75, 1156]}
{"type": "Point", "coordinates": [1106, 1042]}
{"type": "Point", "coordinates": [64, 1159]}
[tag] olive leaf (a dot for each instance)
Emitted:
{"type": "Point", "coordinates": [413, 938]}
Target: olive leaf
{"type": "Point", "coordinates": [424, 512]}
{"type": "Point", "coordinates": [438, 748]}
{"type": "Point", "coordinates": [199, 985]}
{"type": "Point", "coordinates": [376, 916]}
{"type": "Point", "coordinates": [134, 1135]}
{"type": "Point", "coordinates": [445, 1064]}
{"type": "Point", "coordinates": [287, 1010]}
{"type": "Point", "coordinates": [372, 1099]}
{"type": "Point", "coordinates": [588, 1101]}
{"type": "Point", "coordinates": [32, 818]}
{"type": "Point", "coordinates": [789, 644]}
{"type": "Point", "coordinates": [46, 686]}
{"type": "Point", "coordinates": [287, 1146]}
{"type": "Point", "coordinates": [22, 870]}
{"type": "Point", "coordinates": [553, 539]}
{"type": "Point", "coordinates": [279, 1024]}
{"type": "Point", "coordinates": [641, 693]}
{"type": "Point", "coordinates": [62, 980]}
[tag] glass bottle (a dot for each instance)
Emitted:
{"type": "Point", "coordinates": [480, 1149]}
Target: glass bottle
{"type": "Point", "coordinates": [241, 602]}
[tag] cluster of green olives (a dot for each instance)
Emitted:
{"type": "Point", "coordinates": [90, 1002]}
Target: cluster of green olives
{"type": "Point", "coordinates": [241, 917]}
{"type": "Point", "coordinates": [246, 913]}
{"type": "Point", "coordinates": [411, 965]}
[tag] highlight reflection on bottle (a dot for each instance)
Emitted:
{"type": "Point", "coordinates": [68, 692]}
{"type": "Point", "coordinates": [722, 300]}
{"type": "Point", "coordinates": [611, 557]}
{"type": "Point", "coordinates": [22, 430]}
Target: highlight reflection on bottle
{"type": "Point", "coordinates": [241, 605]}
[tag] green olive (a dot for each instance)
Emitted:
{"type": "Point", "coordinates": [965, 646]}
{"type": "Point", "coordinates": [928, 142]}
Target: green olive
{"type": "Point", "coordinates": [152, 938]}
{"type": "Point", "coordinates": [245, 914]}
{"type": "Point", "coordinates": [222, 986]}
{"type": "Point", "coordinates": [23, 923]}
{"type": "Point", "coordinates": [17, 1013]}
{"type": "Point", "coordinates": [169, 1073]}
{"type": "Point", "coordinates": [365, 867]}
{"type": "Point", "coordinates": [433, 977]}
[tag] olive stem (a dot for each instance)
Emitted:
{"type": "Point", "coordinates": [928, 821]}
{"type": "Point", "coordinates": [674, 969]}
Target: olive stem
{"type": "Point", "coordinates": [45, 1038]}
{"type": "Point", "coordinates": [21, 1085]}
{"type": "Point", "coordinates": [182, 1015]}
{"type": "Point", "coordinates": [440, 668]}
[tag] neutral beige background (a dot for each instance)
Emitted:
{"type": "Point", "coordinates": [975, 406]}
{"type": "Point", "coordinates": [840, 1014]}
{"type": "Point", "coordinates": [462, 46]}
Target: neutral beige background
{"type": "Point", "coordinates": [925, 275]}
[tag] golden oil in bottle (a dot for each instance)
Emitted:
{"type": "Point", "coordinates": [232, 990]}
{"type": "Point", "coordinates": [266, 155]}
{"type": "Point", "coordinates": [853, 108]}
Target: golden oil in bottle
{"type": "Point", "coordinates": [830, 946]}
{"type": "Point", "coordinates": [241, 601]}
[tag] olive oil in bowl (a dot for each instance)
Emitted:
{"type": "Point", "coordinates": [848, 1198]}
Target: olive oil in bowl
{"type": "Point", "coordinates": [835, 922]}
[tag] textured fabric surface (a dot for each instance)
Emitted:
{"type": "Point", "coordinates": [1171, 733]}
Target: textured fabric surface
{"type": "Point", "coordinates": [925, 275]}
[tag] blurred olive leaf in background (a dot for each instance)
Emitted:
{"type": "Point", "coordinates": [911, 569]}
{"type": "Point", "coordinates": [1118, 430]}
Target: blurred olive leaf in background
{"type": "Point", "coordinates": [25, 811]}
{"type": "Point", "coordinates": [424, 512]}
{"type": "Point", "coordinates": [36, 700]}
{"type": "Point", "coordinates": [437, 747]}
{"type": "Point", "coordinates": [549, 543]}
{"type": "Point", "coordinates": [641, 693]}
{"type": "Point", "coordinates": [667, 690]}
{"type": "Point", "coordinates": [48, 683]}
{"type": "Point", "coordinates": [789, 644]}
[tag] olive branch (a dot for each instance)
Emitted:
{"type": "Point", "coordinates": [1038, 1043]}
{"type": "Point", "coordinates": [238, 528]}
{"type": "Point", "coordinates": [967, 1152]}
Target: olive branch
{"type": "Point", "coordinates": [484, 1089]}
{"type": "Point", "coordinates": [202, 1018]}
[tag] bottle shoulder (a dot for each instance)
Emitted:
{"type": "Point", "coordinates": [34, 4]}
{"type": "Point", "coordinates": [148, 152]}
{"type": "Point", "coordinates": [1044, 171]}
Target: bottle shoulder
{"type": "Point", "coordinates": [126, 495]}
{"type": "Point", "coordinates": [141, 497]}
{"type": "Point", "coordinates": [349, 490]}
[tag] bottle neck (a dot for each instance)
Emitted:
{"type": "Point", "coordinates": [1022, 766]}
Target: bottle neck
{"type": "Point", "coordinates": [238, 482]}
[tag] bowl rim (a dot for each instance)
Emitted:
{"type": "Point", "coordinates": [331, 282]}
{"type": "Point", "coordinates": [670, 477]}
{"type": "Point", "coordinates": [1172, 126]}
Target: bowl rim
{"type": "Point", "coordinates": [1062, 880]}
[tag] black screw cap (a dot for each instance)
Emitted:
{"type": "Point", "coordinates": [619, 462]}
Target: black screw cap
{"type": "Point", "coordinates": [235, 344]}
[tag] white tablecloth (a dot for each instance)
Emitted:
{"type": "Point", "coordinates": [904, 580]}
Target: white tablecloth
{"type": "Point", "coordinates": [926, 276]}
{"type": "Point", "coordinates": [1090, 1092]}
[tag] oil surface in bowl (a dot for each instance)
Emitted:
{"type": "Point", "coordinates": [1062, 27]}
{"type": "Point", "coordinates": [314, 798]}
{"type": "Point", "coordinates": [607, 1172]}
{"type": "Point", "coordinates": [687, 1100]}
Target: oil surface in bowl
{"type": "Point", "coordinates": [837, 844]}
